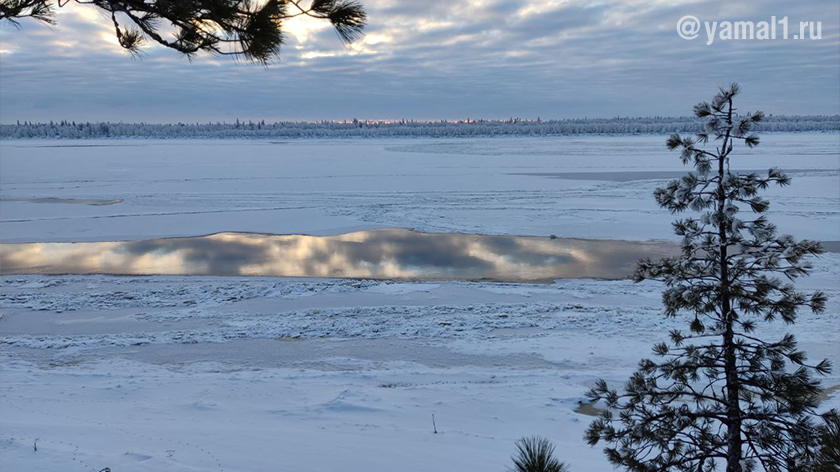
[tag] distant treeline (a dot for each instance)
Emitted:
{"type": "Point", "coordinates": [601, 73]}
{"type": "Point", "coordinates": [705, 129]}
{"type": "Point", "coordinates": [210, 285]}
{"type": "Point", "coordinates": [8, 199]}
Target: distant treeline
{"type": "Point", "coordinates": [401, 128]}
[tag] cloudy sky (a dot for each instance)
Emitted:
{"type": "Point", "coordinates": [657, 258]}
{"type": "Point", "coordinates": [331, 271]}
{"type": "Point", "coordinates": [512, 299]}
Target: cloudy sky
{"type": "Point", "coordinates": [434, 59]}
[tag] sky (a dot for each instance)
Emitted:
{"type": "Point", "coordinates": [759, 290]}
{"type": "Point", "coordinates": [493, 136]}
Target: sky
{"type": "Point", "coordinates": [434, 59]}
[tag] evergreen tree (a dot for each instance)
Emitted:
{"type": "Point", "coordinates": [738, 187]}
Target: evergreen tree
{"type": "Point", "coordinates": [243, 28]}
{"type": "Point", "coordinates": [720, 397]}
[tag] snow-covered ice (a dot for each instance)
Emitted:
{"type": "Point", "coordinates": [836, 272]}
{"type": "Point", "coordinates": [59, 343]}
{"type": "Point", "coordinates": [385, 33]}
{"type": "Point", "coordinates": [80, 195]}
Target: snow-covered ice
{"type": "Point", "coordinates": [490, 186]}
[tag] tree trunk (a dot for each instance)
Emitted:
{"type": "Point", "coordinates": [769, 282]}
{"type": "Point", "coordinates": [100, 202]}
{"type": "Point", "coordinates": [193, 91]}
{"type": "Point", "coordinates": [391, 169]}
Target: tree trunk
{"type": "Point", "coordinates": [733, 412]}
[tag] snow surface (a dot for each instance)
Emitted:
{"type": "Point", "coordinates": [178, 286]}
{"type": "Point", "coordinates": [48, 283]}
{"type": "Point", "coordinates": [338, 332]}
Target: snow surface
{"type": "Point", "coordinates": [510, 186]}
{"type": "Point", "coordinates": [212, 374]}
{"type": "Point", "coordinates": [244, 374]}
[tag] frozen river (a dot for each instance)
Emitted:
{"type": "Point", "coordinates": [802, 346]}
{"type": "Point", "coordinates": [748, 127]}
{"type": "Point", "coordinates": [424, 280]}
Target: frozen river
{"type": "Point", "coordinates": [577, 187]}
{"type": "Point", "coordinates": [222, 373]}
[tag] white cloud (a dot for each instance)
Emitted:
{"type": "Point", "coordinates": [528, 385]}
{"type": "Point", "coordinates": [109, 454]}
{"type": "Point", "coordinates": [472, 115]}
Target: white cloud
{"type": "Point", "coordinates": [432, 59]}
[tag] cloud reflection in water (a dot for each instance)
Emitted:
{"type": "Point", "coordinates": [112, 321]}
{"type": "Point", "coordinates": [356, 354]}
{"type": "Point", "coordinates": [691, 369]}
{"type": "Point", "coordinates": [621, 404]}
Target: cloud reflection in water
{"type": "Point", "coordinates": [378, 254]}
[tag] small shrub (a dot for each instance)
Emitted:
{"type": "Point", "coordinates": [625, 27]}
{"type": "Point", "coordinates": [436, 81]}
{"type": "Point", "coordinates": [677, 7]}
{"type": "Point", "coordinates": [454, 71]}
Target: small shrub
{"type": "Point", "coordinates": [536, 454]}
{"type": "Point", "coordinates": [828, 457]}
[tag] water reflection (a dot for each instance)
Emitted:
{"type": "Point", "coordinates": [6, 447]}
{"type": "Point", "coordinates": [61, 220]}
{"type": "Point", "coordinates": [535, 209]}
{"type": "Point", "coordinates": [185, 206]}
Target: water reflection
{"type": "Point", "coordinates": [379, 254]}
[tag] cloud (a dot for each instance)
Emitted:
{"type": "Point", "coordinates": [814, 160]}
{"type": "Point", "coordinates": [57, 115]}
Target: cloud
{"type": "Point", "coordinates": [430, 60]}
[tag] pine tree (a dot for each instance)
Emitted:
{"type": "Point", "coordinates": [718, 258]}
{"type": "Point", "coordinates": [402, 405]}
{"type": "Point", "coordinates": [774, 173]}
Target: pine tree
{"type": "Point", "coordinates": [243, 28]}
{"type": "Point", "coordinates": [720, 397]}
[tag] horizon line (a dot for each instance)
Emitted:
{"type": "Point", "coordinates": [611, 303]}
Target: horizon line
{"type": "Point", "coordinates": [393, 121]}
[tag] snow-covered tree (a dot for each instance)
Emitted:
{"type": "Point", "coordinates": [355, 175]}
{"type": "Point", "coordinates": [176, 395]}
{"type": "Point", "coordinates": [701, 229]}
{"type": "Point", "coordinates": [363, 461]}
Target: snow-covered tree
{"type": "Point", "coordinates": [720, 397]}
{"type": "Point", "coordinates": [385, 129]}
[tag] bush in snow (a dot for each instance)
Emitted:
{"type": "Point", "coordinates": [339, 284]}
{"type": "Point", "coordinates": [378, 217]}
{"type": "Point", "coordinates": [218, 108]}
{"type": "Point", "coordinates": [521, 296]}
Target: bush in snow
{"type": "Point", "coordinates": [827, 458]}
{"type": "Point", "coordinates": [536, 454]}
